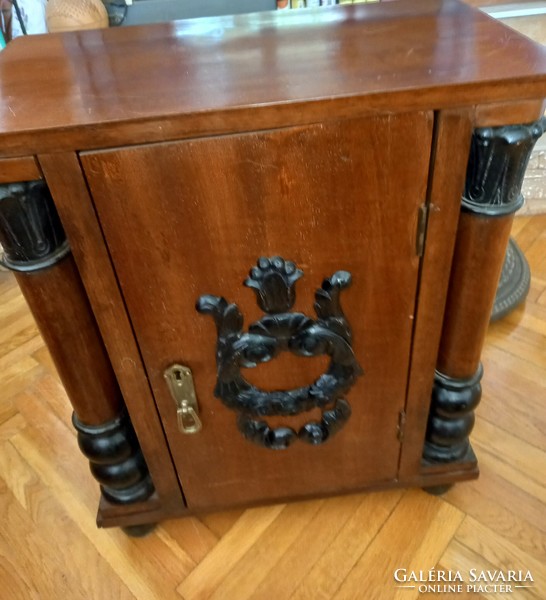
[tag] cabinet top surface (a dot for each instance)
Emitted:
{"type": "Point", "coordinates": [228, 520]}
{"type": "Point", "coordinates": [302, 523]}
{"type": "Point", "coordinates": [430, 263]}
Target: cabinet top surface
{"type": "Point", "coordinates": [402, 55]}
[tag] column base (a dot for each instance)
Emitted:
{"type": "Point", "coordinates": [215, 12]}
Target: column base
{"type": "Point", "coordinates": [115, 459]}
{"type": "Point", "coordinates": [451, 417]}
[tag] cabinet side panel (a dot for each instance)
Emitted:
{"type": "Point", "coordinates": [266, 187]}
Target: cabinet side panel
{"type": "Point", "coordinates": [448, 167]}
{"type": "Point", "coordinates": [74, 204]}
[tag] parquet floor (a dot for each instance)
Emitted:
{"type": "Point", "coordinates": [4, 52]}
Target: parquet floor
{"type": "Point", "coordinates": [342, 548]}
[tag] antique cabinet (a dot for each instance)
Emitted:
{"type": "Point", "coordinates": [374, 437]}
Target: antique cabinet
{"type": "Point", "coordinates": [263, 249]}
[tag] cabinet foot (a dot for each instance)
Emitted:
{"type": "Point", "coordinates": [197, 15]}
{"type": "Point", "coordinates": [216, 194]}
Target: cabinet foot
{"type": "Point", "coordinates": [139, 531]}
{"type": "Point", "coordinates": [438, 490]}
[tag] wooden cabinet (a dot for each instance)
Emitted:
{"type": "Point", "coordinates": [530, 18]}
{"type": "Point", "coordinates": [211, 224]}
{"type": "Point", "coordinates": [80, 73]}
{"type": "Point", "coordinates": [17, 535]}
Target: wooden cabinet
{"type": "Point", "coordinates": [180, 157]}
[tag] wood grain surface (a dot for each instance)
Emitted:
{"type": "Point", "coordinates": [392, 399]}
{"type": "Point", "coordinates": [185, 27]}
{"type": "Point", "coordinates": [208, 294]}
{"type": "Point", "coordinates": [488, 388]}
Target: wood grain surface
{"type": "Point", "coordinates": [204, 74]}
{"type": "Point", "coordinates": [480, 248]}
{"type": "Point", "coordinates": [344, 547]}
{"type": "Point", "coordinates": [13, 170]}
{"type": "Point", "coordinates": [448, 164]}
{"type": "Point", "coordinates": [63, 313]}
{"type": "Point", "coordinates": [211, 208]}
{"type": "Point", "coordinates": [79, 219]}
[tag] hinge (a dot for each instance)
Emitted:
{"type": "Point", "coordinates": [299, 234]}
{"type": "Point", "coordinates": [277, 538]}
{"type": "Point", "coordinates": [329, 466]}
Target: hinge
{"type": "Point", "coordinates": [422, 218]}
{"type": "Point", "coordinates": [401, 425]}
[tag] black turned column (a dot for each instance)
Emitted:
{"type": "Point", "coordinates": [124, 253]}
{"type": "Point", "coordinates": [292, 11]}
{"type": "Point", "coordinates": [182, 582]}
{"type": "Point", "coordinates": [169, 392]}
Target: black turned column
{"type": "Point", "coordinates": [37, 251]}
{"type": "Point", "coordinates": [451, 417]}
{"type": "Point", "coordinates": [115, 459]}
{"type": "Point", "coordinates": [497, 163]}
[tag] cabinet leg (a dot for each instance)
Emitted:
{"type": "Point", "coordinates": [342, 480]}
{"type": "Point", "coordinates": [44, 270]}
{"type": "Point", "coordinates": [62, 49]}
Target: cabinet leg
{"type": "Point", "coordinates": [36, 249]}
{"type": "Point", "coordinates": [497, 164]}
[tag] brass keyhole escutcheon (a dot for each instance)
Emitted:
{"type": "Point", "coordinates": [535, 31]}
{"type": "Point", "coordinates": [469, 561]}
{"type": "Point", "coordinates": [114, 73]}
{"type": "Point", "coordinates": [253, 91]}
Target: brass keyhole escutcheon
{"type": "Point", "coordinates": [180, 382]}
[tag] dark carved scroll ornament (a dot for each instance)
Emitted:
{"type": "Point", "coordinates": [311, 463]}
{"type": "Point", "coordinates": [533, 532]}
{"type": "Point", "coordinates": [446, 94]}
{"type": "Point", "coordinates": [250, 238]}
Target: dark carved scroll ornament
{"type": "Point", "coordinates": [278, 331]}
{"type": "Point", "coordinates": [496, 167]}
{"type": "Point", "coordinates": [31, 233]}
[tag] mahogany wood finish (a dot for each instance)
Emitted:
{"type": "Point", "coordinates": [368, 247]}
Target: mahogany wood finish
{"type": "Point", "coordinates": [19, 169]}
{"type": "Point", "coordinates": [75, 207]}
{"type": "Point", "coordinates": [448, 165]}
{"type": "Point", "coordinates": [61, 309]}
{"type": "Point", "coordinates": [279, 202]}
{"type": "Point", "coordinates": [109, 87]}
{"type": "Point", "coordinates": [178, 154]}
{"type": "Point", "coordinates": [508, 113]}
{"type": "Point", "coordinates": [481, 246]}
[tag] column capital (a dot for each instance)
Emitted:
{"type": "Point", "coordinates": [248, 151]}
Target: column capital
{"type": "Point", "coordinates": [31, 233]}
{"type": "Point", "coordinates": [496, 167]}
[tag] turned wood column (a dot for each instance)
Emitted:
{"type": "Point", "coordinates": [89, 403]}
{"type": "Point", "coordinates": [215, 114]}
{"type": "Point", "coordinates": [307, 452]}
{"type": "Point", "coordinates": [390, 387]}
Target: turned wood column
{"type": "Point", "coordinates": [37, 251]}
{"type": "Point", "coordinates": [497, 163]}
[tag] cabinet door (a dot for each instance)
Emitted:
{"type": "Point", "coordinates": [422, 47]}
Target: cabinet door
{"type": "Point", "coordinates": [189, 218]}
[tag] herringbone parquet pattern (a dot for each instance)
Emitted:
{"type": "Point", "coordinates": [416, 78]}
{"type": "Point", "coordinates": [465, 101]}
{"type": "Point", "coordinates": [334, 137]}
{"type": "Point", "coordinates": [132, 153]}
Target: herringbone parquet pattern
{"type": "Point", "coordinates": [342, 548]}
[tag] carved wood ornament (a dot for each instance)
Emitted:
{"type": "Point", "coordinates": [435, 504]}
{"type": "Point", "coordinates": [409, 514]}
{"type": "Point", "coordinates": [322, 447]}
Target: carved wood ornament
{"type": "Point", "coordinates": [279, 330]}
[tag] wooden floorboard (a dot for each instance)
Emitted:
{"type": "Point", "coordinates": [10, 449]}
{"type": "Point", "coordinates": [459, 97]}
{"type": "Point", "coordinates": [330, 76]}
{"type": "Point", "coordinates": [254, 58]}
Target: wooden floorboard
{"type": "Point", "coordinates": [336, 548]}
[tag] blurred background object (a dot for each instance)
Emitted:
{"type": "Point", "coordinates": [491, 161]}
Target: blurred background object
{"type": "Point", "coordinates": [117, 11]}
{"type": "Point", "coordinates": [28, 16]}
{"type": "Point", "coordinates": [6, 8]}
{"type": "Point", "coordinates": [71, 15]}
